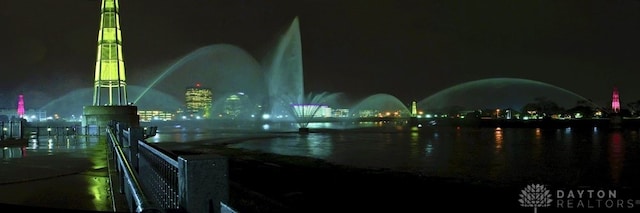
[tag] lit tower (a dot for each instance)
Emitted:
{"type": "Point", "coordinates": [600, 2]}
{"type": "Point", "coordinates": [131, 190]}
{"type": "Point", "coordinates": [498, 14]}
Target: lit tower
{"type": "Point", "coordinates": [109, 74]}
{"type": "Point", "coordinates": [110, 94]}
{"type": "Point", "coordinates": [20, 106]}
{"type": "Point", "coordinates": [615, 101]}
{"type": "Point", "coordinates": [414, 109]}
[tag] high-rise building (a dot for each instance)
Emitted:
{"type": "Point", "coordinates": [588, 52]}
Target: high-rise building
{"type": "Point", "coordinates": [414, 109]}
{"type": "Point", "coordinates": [110, 94]}
{"type": "Point", "coordinates": [150, 115]}
{"type": "Point", "coordinates": [198, 101]}
{"type": "Point", "coordinates": [233, 105]}
{"type": "Point", "coordinates": [615, 101]}
{"type": "Point", "coordinates": [109, 71]}
{"type": "Point", "coordinates": [21, 106]}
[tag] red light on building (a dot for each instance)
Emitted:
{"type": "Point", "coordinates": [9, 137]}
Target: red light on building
{"type": "Point", "coordinates": [615, 101]}
{"type": "Point", "coordinates": [21, 106]}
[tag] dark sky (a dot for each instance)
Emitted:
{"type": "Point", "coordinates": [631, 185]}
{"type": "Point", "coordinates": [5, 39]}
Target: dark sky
{"type": "Point", "coordinates": [408, 49]}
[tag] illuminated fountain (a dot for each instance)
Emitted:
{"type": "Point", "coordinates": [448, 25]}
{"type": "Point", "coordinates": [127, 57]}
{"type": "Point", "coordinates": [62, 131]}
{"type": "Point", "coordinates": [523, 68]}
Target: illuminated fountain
{"type": "Point", "coordinates": [284, 73]}
{"type": "Point", "coordinates": [499, 93]}
{"type": "Point", "coordinates": [71, 104]}
{"type": "Point", "coordinates": [228, 70]}
{"type": "Point", "coordinates": [225, 68]}
{"type": "Point", "coordinates": [304, 110]}
{"type": "Point", "coordinates": [380, 105]}
{"type": "Point", "coordinates": [273, 87]}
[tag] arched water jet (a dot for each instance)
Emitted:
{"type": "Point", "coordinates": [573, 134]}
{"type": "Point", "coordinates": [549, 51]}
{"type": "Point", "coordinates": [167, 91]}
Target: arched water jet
{"type": "Point", "coordinates": [73, 102]}
{"type": "Point", "coordinates": [495, 93]}
{"type": "Point", "coordinates": [278, 89]}
{"type": "Point", "coordinates": [380, 105]}
{"type": "Point", "coordinates": [224, 68]}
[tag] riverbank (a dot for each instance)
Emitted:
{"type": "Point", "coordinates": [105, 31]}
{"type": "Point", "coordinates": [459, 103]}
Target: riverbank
{"type": "Point", "coordinates": [263, 182]}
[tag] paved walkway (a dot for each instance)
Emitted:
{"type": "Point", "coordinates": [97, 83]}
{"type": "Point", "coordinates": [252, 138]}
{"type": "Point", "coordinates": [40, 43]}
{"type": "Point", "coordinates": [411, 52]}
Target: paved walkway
{"type": "Point", "coordinates": [69, 173]}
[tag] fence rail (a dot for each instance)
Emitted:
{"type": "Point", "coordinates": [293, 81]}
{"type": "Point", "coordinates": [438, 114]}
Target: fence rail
{"type": "Point", "coordinates": [130, 185]}
{"type": "Point", "coordinates": [158, 181]}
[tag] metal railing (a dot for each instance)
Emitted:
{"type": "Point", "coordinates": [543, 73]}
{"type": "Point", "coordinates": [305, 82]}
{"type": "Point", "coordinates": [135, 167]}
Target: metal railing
{"type": "Point", "coordinates": [129, 183]}
{"type": "Point", "coordinates": [12, 129]}
{"type": "Point", "coordinates": [160, 175]}
{"type": "Point", "coordinates": [159, 181]}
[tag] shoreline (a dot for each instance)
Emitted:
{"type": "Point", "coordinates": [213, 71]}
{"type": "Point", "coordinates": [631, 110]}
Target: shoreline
{"type": "Point", "coordinates": [265, 182]}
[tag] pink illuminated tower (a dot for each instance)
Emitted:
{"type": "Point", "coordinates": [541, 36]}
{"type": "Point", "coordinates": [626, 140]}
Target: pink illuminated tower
{"type": "Point", "coordinates": [21, 106]}
{"type": "Point", "coordinates": [615, 101]}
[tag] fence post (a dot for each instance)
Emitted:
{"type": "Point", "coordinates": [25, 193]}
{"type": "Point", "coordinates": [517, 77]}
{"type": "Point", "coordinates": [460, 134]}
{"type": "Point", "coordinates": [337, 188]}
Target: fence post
{"type": "Point", "coordinates": [135, 134]}
{"type": "Point", "coordinates": [203, 182]}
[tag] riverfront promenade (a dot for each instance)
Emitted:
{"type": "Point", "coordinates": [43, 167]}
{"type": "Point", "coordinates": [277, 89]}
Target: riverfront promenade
{"type": "Point", "coordinates": [58, 173]}
{"type": "Point", "coordinates": [70, 174]}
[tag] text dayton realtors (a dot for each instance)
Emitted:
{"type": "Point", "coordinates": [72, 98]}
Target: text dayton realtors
{"type": "Point", "coordinates": [590, 198]}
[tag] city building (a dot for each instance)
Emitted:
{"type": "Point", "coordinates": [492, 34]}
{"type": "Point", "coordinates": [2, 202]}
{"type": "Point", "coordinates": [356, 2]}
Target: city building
{"type": "Point", "coordinates": [340, 113]}
{"type": "Point", "coordinates": [155, 115]}
{"type": "Point", "coordinates": [615, 101]}
{"type": "Point", "coordinates": [238, 105]}
{"type": "Point", "coordinates": [198, 102]}
{"type": "Point", "coordinates": [31, 115]}
{"type": "Point", "coordinates": [21, 106]}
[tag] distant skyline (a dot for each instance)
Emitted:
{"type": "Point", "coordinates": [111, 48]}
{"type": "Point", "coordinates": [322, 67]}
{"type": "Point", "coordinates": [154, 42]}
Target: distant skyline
{"type": "Point", "coordinates": [408, 49]}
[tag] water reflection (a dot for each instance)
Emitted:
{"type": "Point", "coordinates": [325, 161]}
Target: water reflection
{"type": "Point", "coordinates": [98, 183]}
{"type": "Point", "coordinates": [13, 152]}
{"type": "Point", "coordinates": [508, 154]}
{"type": "Point", "coordinates": [616, 155]}
{"type": "Point", "coordinates": [44, 164]}
{"type": "Point", "coordinates": [415, 144]}
{"type": "Point", "coordinates": [314, 145]}
{"type": "Point", "coordinates": [498, 139]}
{"type": "Point", "coordinates": [538, 135]}
{"type": "Point", "coordinates": [96, 188]}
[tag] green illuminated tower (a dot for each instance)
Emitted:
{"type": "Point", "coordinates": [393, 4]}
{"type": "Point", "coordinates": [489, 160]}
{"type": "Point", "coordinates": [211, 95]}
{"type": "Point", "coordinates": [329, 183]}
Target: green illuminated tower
{"type": "Point", "coordinates": [110, 94]}
{"type": "Point", "coordinates": [414, 109]}
{"type": "Point", "coordinates": [109, 74]}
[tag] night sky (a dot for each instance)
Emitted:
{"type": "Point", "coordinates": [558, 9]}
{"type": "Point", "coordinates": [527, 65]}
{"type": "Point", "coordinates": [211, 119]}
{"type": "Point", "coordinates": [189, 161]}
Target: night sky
{"type": "Point", "coordinates": [408, 49]}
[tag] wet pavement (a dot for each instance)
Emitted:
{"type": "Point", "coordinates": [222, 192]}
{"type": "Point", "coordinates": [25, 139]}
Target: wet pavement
{"type": "Point", "coordinates": [69, 173]}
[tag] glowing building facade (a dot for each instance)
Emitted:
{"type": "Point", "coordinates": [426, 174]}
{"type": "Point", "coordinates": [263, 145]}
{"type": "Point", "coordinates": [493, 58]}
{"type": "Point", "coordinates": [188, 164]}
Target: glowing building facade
{"type": "Point", "coordinates": [198, 101]}
{"type": "Point", "coordinates": [109, 70]}
{"type": "Point", "coordinates": [21, 106]}
{"type": "Point", "coordinates": [235, 105]}
{"type": "Point", "coordinates": [154, 115]}
{"type": "Point", "coordinates": [615, 101]}
{"type": "Point", "coordinates": [414, 109]}
{"type": "Point", "coordinates": [110, 94]}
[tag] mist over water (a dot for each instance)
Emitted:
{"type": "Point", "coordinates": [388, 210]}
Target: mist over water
{"type": "Point", "coordinates": [496, 93]}
{"type": "Point", "coordinates": [272, 85]}
{"type": "Point", "coordinates": [275, 83]}
{"type": "Point", "coordinates": [383, 103]}
{"type": "Point", "coordinates": [224, 68]}
{"type": "Point", "coordinates": [285, 72]}
{"type": "Point", "coordinates": [227, 69]}
{"type": "Point", "coordinates": [73, 102]}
